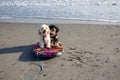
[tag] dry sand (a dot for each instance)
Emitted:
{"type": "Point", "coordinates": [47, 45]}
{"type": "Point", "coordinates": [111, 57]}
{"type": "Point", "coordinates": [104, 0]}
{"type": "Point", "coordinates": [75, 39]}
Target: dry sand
{"type": "Point", "coordinates": [91, 52]}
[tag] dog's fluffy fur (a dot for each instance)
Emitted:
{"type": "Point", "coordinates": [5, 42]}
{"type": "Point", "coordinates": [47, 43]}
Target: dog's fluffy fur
{"type": "Point", "coordinates": [44, 32]}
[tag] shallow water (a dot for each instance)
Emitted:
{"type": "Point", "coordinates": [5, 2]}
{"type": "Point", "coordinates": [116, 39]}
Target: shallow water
{"type": "Point", "coordinates": [60, 11]}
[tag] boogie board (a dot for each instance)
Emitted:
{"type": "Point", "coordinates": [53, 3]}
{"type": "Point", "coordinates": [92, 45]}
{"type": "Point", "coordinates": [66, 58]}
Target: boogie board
{"type": "Point", "coordinates": [54, 51]}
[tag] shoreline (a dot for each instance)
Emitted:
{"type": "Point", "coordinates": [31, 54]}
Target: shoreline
{"type": "Point", "coordinates": [91, 52]}
{"type": "Point", "coordinates": [57, 21]}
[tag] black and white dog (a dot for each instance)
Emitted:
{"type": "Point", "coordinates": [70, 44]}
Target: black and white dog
{"type": "Point", "coordinates": [53, 35]}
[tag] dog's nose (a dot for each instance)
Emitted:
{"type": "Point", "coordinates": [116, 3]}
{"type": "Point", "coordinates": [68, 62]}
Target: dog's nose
{"type": "Point", "coordinates": [44, 31]}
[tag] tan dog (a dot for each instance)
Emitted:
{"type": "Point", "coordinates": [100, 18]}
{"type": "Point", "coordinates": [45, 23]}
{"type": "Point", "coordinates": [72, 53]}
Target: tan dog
{"type": "Point", "coordinates": [44, 32]}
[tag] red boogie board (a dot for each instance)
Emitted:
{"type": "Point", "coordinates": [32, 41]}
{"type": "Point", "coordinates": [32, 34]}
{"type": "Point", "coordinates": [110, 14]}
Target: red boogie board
{"type": "Point", "coordinates": [54, 51]}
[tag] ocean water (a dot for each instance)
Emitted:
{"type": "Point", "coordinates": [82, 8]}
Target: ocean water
{"type": "Point", "coordinates": [60, 11]}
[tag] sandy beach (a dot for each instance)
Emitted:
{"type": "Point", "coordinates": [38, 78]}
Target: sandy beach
{"type": "Point", "coordinates": [91, 52]}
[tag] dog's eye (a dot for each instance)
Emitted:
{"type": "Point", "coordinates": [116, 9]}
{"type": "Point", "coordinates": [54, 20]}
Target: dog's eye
{"type": "Point", "coordinates": [52, 29]}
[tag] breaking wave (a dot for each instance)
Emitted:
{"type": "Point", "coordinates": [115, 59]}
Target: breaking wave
{"type": "Point", "coordinates": [57, 3]}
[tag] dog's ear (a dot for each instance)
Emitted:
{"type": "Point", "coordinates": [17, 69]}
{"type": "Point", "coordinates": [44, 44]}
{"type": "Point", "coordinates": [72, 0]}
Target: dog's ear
{"type": "Point", "coordinates": [39, 32]}
{"type": "Point", "coordinates": [57, 29]}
